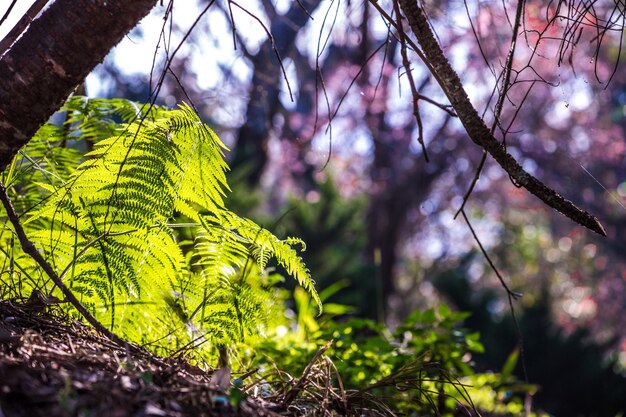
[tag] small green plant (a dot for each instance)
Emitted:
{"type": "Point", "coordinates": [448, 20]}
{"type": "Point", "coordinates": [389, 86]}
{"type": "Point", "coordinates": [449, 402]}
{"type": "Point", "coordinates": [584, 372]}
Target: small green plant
{"type": "Point", "coordinates": [423, 367]}
{"type": "Point", "coordinates": [105, 198]}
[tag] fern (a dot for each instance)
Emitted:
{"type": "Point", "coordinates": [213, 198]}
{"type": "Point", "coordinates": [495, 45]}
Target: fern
{"type": "Point", "coordinates": [263, 245]}
{"type": "Point", "coordinates": [107, 219]}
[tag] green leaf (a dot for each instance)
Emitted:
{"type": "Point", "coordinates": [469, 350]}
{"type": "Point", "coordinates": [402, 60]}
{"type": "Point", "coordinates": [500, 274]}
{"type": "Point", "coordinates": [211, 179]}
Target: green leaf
{"type": "Point", "coordinates": [444, 311]}
{"type": "Point", "coordinates": [429, 317]}
{"type": "Point", "coordinates": [473, 343]}
{"type": "Point", "coordinates": [509, 366]}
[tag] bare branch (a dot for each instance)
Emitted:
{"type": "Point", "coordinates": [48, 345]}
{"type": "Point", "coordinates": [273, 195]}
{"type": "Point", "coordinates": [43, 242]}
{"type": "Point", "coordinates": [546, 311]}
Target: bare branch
{"type": "Point", "coordinates": [21, 25]}
{"type": "Point", "coordinates": [511, 295]}
{"type": "Point", "coordinates": [8, 12]}
{"type": "Point", "coordinates": [475, 126]}
{"type": "Point", "coordinates": [409, 76]}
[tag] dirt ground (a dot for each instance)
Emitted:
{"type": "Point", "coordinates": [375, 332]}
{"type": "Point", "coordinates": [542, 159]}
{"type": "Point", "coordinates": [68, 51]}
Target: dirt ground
{"type": "Point", "coordinates": [51, 367]}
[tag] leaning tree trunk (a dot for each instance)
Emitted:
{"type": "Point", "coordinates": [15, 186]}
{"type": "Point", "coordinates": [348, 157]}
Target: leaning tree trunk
{"type": "Point", "coordinates": [52, 57]}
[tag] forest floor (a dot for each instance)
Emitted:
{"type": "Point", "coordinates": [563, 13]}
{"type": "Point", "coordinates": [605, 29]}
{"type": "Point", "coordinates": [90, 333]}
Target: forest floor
{"type": "Point", "coordinates": [51, 366]}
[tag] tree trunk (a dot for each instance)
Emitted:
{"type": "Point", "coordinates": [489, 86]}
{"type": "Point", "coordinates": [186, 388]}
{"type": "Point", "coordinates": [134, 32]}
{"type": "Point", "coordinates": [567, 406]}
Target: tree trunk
{"type": "Point", "coordinates": [52, 57]}
{"type": "Point", "coordinates": [250, 152]}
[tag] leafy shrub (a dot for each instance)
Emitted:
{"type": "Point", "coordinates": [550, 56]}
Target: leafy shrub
{"type": "Point", "coordinates": [103, 197]}
{"type": "Point", "coordinates": [423, 367]}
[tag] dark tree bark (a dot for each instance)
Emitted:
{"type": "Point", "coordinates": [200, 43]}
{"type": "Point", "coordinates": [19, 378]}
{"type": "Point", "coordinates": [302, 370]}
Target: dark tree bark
{"type": "Point", "coordinates": [251, 148]}
{"type": "Point", "coordinates": [399, 183]}
{"type": "Point", "coordinates": [53, 56]}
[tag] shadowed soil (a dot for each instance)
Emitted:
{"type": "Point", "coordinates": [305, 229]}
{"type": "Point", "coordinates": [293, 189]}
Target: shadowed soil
{"type": "Point", "coordinates": [50, 366]}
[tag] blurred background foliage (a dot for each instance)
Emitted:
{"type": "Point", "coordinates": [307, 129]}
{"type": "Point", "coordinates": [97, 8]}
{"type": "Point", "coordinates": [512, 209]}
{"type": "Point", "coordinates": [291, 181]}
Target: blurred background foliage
{"type": "Point", "coordinates": [329, 153]}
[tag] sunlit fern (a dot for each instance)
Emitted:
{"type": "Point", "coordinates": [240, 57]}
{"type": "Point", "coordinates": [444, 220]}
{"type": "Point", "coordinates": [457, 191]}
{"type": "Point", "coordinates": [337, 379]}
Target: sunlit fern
{"type": "Point", "coordinates": [102, 197]}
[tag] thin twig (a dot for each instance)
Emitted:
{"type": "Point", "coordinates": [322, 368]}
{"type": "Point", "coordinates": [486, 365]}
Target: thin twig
{"type": "Point", "coordinates": [515, 295]}
{"type": "Point", "coordinates": [272, 42]}
{"type": "Point", "coordinates": [21, 26]}
{"type": "Point", "coordinates": [506, 85]}
{"type": "Point", "coordinates": [319, 80]}
{"type": "Point", "coordinates": [511, 295]}
{"type": "Point", "coordinates": [508, 67]}
{"type": "Point", "coordinates": [8, 12]}
{"type": "Point", "coordinates": [409, 75]}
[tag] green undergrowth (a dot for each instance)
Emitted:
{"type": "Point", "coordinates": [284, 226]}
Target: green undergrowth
{"type": "Point", "coordinates": [126, 203]}
{"type": "Point", "coordinates": [422, 367]}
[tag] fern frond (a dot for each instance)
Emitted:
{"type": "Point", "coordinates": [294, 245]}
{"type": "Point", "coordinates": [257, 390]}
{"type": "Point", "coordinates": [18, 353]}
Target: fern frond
{"type": "Point", "coordinates": [94, 119]}
{"type": "Point", "coordinates": [105, 219]}
{"type": "Point", "coordinates": [262, 245]}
